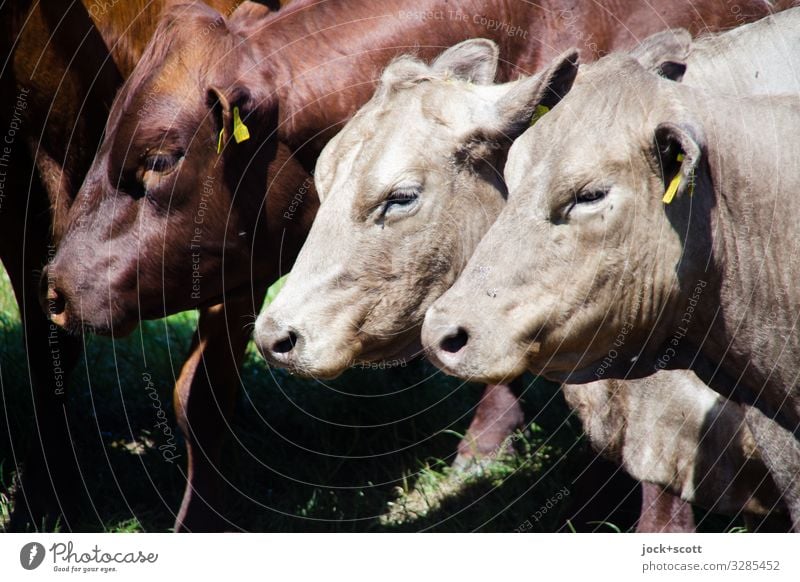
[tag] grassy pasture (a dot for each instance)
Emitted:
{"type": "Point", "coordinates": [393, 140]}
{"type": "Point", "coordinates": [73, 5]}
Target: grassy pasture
{"type": "Point", "coordinates": [368, 452]}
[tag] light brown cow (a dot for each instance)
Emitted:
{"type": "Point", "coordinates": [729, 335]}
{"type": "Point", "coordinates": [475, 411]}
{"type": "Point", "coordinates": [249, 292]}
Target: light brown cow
{"type": "Point", "coordinates": [649, 223]}
{"type": "Point", "coordinates": [363, 298]}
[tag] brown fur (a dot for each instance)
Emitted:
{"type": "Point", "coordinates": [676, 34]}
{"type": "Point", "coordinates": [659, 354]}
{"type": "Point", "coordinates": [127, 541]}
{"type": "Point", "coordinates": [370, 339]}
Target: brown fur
{"type": "Point", "coordinates": [68, 62]}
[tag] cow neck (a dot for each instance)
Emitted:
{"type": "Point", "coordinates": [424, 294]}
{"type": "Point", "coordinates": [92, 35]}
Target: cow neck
{"type": "Point", "coordinates": [753, 271]}
{"type": "Point", "coordinates": [323, 60]}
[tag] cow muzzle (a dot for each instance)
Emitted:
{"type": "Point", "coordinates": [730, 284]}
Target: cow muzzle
{"type": "Point", "coordinates": [53, 300]}
{"type": "Point", "coordinates": [466, 347]}
{"type": "Point", "coordinates": [278, 344]}
{"type": "Point", "coordinates": [301, 352]}
{"type": "Point", "coordinates": [446, 344]}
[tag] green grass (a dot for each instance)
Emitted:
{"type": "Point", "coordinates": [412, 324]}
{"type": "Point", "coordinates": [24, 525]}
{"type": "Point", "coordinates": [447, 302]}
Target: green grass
{"type": "Point", "coordinates": [368, 452]}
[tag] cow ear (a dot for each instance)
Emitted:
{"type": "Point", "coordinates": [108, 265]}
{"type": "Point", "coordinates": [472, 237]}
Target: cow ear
{"type": "Point", "coordinates": [250, 11]}
{"type": "Point", "coordinates": [678, 148]}
{"type": "Point", "coordinates": [528, 98]}
{"type": "Point", "coordinates": [229, 109]}
{"type": "Point", "coordinates": [474, 60]}
{"type": "Point", "coordinates": [665, 53]}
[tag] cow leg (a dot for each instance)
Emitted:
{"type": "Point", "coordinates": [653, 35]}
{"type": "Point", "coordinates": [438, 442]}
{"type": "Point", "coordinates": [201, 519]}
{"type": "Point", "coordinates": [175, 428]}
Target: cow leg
{"type": "Point", "coordinates": [498, 415]}
{"type": "Point", "coordinates": [780, 450]}
{"type": "Point", "coordinates": [204, 399]}
{"type": "Point", "coordinates": [663, 512]}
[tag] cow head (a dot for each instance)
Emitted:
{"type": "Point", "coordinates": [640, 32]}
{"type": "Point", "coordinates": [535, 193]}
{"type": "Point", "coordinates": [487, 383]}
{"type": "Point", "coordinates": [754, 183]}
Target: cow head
{"type": "Point", "coordinates": [409, 186]}
{"type": "Point", "coordinates": [600, 243]}
{"type": "Point", "coordinates": [162, 223]}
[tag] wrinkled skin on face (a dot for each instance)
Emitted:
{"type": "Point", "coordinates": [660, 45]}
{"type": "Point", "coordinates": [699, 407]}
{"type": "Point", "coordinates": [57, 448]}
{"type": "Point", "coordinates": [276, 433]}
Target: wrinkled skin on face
{"type": "Point", "coordinates": [394, 229]}
{"type": "Point", "coordinates": [157, 226]}
{"type": "Point", "coordinates": [649, 235]}
{"type": "Point", "coordinates": [656, 428]}
{"type": "Point", "coordinates": [583, 259]}
{"type": "Point", "coordinates": [594, 272]}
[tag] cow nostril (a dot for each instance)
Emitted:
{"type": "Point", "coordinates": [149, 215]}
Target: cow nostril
{"type": "Point", "coordinates": [52, 300]}
{"type": "Point", "coordinates": [286, 344]}
{"type": "Point", "coordinates": [453, 342]}
{"type": "Point", "coordinates": [55, 301]}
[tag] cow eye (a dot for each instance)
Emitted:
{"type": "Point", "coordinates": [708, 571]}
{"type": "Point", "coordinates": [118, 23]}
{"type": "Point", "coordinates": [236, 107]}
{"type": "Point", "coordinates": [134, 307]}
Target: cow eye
{"type": "Point", "coordinates": [588, 196]}
{"type": "Point", "coordinates": [402, 197]}
{"type": "Point", "coordinates": [585, 198]}
{"type": "Point", "coordinates": [160, 162]}
{"type": "Point", "coordinates": [399, 200]}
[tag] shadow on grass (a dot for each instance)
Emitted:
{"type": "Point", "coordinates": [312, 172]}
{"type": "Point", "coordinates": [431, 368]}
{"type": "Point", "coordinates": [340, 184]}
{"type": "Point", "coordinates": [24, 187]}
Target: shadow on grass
{"type": "Point", "coordinates": [304, 455]}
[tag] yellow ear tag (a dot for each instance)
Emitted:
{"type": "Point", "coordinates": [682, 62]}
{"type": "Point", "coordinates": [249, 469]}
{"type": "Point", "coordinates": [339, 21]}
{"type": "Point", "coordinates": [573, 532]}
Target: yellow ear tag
{"type": "Point", "coordinates": [219, 141]}
{"type": "Point", "coordinates": [538, 113]}
{"type": "Point", "coordinates": [672, 189]}
{"type": "Point", "coordinates": [240, 131]}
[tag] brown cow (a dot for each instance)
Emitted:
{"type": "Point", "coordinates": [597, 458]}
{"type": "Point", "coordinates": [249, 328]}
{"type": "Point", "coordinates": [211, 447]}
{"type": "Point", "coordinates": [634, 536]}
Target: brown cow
{"type": "Point", "coordinates": [61, 67]}
{"type": "Point", "coordinates": [173, 207]}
